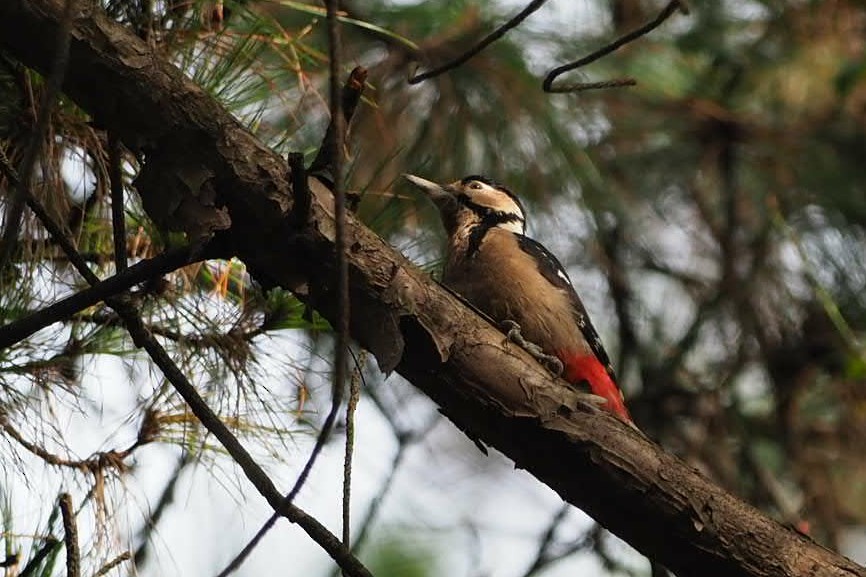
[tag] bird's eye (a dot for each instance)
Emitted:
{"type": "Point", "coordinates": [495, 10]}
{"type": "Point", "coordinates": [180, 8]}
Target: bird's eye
{"type": "Point", "coordinates": [475, 185]}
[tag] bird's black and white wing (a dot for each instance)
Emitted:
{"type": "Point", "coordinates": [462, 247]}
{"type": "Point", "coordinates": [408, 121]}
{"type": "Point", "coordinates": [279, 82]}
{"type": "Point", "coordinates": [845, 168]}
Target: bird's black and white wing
{"type": "Point", "coordinates": [553, 271]}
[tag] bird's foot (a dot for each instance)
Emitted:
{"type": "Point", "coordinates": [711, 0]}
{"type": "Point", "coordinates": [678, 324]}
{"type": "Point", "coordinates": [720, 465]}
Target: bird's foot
{"type": "Point", "coordinates": [513, 334]}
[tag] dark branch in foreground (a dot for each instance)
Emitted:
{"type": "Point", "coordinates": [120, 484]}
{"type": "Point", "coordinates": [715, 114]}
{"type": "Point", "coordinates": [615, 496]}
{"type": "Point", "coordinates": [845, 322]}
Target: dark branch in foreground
{"type": "Point", "coordinates": [166, 499]}
{"type": "Point", "coordinates": [547, 85]}
{"type": "Point", "coordinates": [118, 215]}
{"type": "Point", "coordinates": [141, 272]}
{"type": "Point", "coordinates": [98, 462]}
{"type": "Point", "coordinates": [343, 312]}
{"type": "Point", "coordinates": [298, 172]}
{"type": "Point", "coordinates": [143, 338]}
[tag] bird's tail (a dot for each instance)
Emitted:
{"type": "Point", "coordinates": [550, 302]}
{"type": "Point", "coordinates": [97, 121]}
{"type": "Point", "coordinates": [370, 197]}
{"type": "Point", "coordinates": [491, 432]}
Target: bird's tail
{"type": "Point", "coordinates": [587, 368]}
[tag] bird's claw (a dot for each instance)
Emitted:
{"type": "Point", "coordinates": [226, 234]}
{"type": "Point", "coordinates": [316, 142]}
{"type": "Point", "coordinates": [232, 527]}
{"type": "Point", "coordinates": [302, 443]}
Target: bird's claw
{"type": "Point", "coordinates": [550, 362]}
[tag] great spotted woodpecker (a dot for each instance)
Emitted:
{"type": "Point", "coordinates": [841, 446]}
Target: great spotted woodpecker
{"type": "Point", "coordinates": [517, 282]}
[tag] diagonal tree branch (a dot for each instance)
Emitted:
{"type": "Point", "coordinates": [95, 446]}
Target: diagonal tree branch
{"type": "Point", "coordinates": [492, 390]}
{"type": "Point", "coordinates": [145, 270]}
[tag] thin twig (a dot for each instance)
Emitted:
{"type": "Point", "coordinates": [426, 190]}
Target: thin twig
{"type": "Point", "coordinates": [596, 538]}
{"type": "Point", "coordinates": [15, 208]}
{"type": "Point", "coordinates": [659, 570]}
{"type": "Point", "coordinates": [485, 42]}
{"type": "Point", "coordinates": [48, 222]}
{"type": "Point", "coordinates": [118, 216]}
{"type": "Point", "coordinates": [785, 503]}
{"type": "Point", "coordinates": [97, 462]}
{"type": "Point", "coordinates": [600, 85]}
{"type": "Point", "coordinates": [542, 557]}
{"type": "Point", "coordinates": [216, 340]}
{"type": "Point", "coordinates": [329, 157]}
{"type": "Point", "coordinates": [327, 540]}
{"type": "Point", "coordinates": [70, 536]}
{"type": "Point", "coordinates": [253, 471]}
{"type": "Point", "coordinates": [125, 556]}
{"type": "Point", "coordinates": [335, 49]}
{"type": "Point", "coordinates": [547, 85]}
{"type": "Point", "coordinates": [610, 240]}
{"type": "Point", "coordinates": [49, 546]}
{"type": "Point", "coordinates": [405, 440]}
{"type": "Point", "coordinates": [321, 439]}
{"type": "Point", "coordinates": [354, 397]}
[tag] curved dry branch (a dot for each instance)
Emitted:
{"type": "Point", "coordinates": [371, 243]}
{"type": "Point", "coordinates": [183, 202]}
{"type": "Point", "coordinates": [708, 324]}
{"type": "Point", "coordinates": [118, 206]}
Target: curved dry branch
{"type": "Point", "coordinates": [551, 77]}
{"type": "Point", "coordinates": [484, 43]}
{"type": "Point", "coordinates": [99, 462]}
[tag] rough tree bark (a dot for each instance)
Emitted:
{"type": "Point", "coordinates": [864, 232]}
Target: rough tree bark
{"type": "Point", "coordinates": [491, 390]}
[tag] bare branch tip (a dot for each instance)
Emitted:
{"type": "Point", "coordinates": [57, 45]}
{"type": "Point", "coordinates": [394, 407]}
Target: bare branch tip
{"type": "Point", "coordinates": [357, 78]}
{"type": "Point", "coordinates": [683, 7]}
{"type": "Point", "coordinates": [70, 537]}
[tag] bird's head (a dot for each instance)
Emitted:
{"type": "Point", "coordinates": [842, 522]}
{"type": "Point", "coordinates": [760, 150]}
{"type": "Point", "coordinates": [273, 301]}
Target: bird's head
{"type": "Point", "coordinates": [474, 200]}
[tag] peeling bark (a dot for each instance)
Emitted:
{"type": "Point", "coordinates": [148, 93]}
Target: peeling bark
{"type": "Point", "coordinates": [490, 389]}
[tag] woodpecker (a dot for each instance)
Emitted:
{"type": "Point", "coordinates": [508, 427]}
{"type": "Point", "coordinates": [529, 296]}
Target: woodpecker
{"type": "Point", "coordinates": [518, 283]}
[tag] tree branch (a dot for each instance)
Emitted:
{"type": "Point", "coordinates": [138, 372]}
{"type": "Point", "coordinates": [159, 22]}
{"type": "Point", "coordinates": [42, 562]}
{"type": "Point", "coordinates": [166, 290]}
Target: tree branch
{"type": "Point", "coordinates": [484, 43]}
{"type": "Point", "coordinates": [118, 216]}
{"type": "Point", "coordinates": [98, 462]}
{"type": "Point", "coordinates": [491, 389]}
{"type": "Point", "coordinates": [63, 309]}
{"type": "Point", "coordinates": [70, 536]}
{"type": "Point", "coordinates": [551, 77]}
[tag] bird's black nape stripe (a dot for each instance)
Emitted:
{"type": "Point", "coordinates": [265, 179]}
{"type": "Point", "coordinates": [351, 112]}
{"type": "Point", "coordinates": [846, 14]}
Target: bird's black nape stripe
{"type": "Point", "coordinates": [476, 235]}
{"type": "Point", "coordinates": [489, 219]}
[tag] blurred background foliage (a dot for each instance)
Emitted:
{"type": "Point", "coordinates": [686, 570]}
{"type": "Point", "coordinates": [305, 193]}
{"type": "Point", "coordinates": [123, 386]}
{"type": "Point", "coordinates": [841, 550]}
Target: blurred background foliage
{"type": "Point", "coordinates": [712, 217]}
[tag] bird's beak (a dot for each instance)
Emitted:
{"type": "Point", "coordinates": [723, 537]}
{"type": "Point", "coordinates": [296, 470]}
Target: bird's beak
{"type": "Point", "coordinates": [436, 192]}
